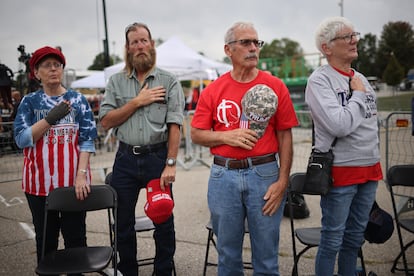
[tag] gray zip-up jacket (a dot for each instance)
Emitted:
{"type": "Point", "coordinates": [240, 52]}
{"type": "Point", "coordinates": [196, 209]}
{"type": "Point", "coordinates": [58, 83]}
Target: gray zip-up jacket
{"type": "Point", "coordinates": [354, 120]}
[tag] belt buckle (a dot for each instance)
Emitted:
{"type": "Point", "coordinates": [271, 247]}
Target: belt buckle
{"type": "Point", "coordinates": [134, 148]}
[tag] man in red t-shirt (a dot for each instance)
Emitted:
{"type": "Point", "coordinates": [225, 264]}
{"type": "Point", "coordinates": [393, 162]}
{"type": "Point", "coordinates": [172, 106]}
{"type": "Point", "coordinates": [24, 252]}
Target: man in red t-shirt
{"type": "Point", "coordinates": [245, 117]}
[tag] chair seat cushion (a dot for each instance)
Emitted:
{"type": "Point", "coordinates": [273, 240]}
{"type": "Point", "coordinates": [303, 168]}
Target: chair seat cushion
{"type": "Point", "coordinates": [309, 236]}
{"type": "Point", "coordinates": [143, 223]}
{"type": "Point", "coordinates": [407, 224]}
{"type": "Point", "coordinates": [76, 260]}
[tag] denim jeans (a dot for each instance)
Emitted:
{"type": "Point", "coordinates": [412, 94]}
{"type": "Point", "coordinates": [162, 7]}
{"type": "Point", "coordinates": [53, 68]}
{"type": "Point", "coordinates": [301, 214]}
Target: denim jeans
{"type": "Point", "coordinates": [130, 174]}
{"type": "Point", "coordinates": [71, 224]}
{"type": "Point", "coordinates": [233, 196]}
{"type": "Point", "coordinates": [345, 214]}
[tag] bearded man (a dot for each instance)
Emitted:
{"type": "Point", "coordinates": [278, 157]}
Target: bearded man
{"type": "Point", "coordinates": [144, 105]}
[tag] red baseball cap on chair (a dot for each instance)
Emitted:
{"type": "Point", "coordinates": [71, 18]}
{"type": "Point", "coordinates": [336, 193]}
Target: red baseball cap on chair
{"type": "Point", "coordinates": [159, 205]}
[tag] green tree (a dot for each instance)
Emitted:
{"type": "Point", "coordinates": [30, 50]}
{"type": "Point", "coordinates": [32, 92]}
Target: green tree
{"type": "Point", "coordinates": [397, 38]}
{"type": "Point", "coordinates": [280, 48]}
{"type": "Point", "coordinates": [99, 61]}
{"type": "Point", "coordinates": [367, 51]}
{"type": "Point", "coordinates": [394, 72]}
{"type": "Point", "coordinates": [284, 58]}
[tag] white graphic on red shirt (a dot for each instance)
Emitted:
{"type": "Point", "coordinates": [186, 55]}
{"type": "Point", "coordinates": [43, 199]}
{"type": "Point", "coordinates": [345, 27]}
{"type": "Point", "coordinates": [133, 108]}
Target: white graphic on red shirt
{"type": "Point", "coordinates": [228, 112]}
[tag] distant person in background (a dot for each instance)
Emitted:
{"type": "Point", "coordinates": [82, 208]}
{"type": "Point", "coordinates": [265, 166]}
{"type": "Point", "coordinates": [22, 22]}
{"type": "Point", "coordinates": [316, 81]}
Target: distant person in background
{"type": "Point", "coordinates": [343, 105]}
{"type": "Point", "coordinates": [16, 98]}
{"type": "Point", "coordinates": [56, 129]}
{"type": "Point", "coordinates": [6, 81]}
{"type": "Point", "coordinates": [192, 99]}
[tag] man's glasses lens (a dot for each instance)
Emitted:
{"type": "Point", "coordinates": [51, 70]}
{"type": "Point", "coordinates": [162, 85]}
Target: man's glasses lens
{"type": "Point", "coordinates": [248, 42]}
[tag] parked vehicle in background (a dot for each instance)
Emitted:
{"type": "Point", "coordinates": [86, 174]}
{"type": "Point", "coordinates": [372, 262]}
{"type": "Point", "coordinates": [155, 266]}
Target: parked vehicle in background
{"type": "Point", "coordinates": [407, 83]}
{"type": "Point", "coordinates": [410, 75]}
{"type": "Point", "coordinates": [374, 82]}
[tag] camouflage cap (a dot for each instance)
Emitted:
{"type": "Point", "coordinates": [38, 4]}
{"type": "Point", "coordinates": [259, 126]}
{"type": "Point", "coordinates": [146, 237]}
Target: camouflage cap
{"type": "Point", "coordinates": [259, 104]}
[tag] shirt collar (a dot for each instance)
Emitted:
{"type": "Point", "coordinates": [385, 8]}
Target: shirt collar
{"type": "Point", "coordinates": [349, 74]}
{"type": "Point", "coordinates": [151, 74]}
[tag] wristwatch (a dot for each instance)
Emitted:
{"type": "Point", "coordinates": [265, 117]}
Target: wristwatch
{"type": "Point", "coordinates": [170, 161]}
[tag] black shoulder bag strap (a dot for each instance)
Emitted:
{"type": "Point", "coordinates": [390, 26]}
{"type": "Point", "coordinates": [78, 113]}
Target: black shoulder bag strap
{"type": "Point", "coordinates": [313, 138]}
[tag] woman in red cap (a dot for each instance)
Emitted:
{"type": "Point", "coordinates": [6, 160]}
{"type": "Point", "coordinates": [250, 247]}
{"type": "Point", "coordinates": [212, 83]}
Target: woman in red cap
{"type": "Point", "coordinates": [56, 129]}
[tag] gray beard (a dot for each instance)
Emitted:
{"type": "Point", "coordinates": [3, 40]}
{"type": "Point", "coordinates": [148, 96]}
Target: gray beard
{"type": "Point", "coordinates": [144, 63]}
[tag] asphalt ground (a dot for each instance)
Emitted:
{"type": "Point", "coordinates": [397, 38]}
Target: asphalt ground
{"type": "Point", "coordinates": [17, 245]}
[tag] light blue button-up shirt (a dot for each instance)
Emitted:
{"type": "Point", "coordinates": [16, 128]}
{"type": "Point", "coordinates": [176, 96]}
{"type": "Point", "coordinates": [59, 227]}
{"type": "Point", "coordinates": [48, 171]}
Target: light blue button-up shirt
{"type": "Point", "coordinates": [148, 125]}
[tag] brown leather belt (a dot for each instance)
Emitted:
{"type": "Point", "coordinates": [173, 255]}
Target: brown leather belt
{"type": "Point", "coordinates": [136, 150]}
{"type": "Point", "coordinates": [235, 164]}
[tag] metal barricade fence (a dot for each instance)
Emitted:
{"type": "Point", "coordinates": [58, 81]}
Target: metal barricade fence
{"type": "Point", "coordinates": [11, 161]}
{"type": "Point", "coordinates": [189, 156]}
{"type": "Point", "coordinates": [302, 141]}
{"type": "Point", "coordinates": [397, 146]}
{"type": "Point", "coordinates": [399, 139]}
{"type": "Point", "coordinates": [398, 149]}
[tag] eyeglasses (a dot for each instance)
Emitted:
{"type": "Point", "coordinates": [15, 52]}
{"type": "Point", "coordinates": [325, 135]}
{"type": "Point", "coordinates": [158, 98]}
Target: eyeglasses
{"type": "Point", "coordinates": [348, 38]}
{"type": "Point", "coordinates": [248, 42]}
{"type": "Point", "coordinates": [50, 65]}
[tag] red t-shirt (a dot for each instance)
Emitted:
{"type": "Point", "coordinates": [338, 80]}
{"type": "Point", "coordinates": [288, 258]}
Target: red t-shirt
{"type": "Point", "coordinates": [219, 108]}
{"type": "Point", "coordinates": [345, 176]}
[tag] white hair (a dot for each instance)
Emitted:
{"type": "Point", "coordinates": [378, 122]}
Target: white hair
{"type": "Point", "coordinates": [230, 36]}
{"type": "Point", "coordinates": [328, 29]}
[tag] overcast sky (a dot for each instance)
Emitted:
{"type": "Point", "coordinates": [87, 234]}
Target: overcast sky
{"type": "Point", "coordinates": [78, 26]}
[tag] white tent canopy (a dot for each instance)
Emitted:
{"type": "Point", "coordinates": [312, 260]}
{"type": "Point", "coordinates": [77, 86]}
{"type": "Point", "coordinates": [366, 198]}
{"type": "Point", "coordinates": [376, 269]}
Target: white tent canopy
{"type": "Point", "coordinates": [95, 80]}
{"type": "Point", "coordinates": [174, 56]}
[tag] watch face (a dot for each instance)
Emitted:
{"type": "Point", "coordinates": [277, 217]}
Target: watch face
{"type": "Point", "coordinates": [170, 161]}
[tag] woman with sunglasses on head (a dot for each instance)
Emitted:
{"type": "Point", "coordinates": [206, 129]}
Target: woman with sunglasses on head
{"type": "Point", "coordinates": [56, 129]}
{"type": "Point", "coordinates": [343, 106]}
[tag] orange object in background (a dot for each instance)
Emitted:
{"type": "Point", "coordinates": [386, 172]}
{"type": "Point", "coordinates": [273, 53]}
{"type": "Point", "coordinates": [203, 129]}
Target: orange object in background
{"type": "Point", "coordinates": [401, 123]}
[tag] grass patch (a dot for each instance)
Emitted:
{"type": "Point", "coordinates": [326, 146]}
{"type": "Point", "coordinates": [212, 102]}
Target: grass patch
{"type": "Point", "coordinates": [401, 101]}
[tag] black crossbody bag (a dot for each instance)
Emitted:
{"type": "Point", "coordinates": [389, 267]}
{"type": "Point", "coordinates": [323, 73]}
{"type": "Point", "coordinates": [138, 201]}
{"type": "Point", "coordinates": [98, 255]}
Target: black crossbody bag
{"type": "Point", "coordinates": [318, 180]}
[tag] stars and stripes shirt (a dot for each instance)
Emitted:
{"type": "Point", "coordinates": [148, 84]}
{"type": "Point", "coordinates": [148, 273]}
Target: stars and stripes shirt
{"type": "Point", "coordinates": [53, 160]}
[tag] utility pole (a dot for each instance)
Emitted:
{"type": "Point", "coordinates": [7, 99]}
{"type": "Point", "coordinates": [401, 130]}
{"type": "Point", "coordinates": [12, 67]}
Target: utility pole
{"type": "Point", "coordinates": [105, 41]}
{"type": "Point", "coordinates": [341, 5]}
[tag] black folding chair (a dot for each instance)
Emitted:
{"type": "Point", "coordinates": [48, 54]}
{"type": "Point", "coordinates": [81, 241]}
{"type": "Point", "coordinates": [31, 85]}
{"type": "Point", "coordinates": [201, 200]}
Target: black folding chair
{"type": "Point", "coordinates": [308, 236]}
{"type": "Point", "coordinates": [400, 181]}
{"type": "Point", "coordinates": [81, 259]}
{"type": "Point", "coordinates": [211, 241]}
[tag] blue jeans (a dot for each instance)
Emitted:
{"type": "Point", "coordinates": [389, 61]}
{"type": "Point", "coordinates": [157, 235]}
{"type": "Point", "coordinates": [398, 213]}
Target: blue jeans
{"type": "Point", "coordinates": [130, 174]}
{"type": "Point", "coordinates": [233, 196]}
{"type": "Point", "coordinates": [345, 214]}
